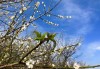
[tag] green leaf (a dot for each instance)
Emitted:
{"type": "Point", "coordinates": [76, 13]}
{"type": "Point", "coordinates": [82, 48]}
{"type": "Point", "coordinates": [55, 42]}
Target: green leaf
{"type": "Point", "coordinates": [53, 35]}
{"type": "Point", "coordinates": [37, 33]}
{"type": "Point", "coordinates": [38, 38]}
{"type": "Point", "coordinates": [43, 36]}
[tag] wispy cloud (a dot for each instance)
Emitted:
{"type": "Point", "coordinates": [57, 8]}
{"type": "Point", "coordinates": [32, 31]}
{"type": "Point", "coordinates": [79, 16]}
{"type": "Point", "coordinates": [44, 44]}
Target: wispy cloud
{"type": "Point", "coordinates": [92, 48]}
{"type": "Point", "coordinates": [80, 17]}
{"type": "Point", "coordinates": [91, 53]}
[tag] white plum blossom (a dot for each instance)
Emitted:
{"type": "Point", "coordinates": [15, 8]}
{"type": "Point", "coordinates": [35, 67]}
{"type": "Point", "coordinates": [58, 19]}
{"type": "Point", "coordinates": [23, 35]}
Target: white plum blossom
{"type": "Point", "coordinates": [37, 4]}
{"type": "Point", "coordinates": [60, 49]}
{"type": "Point", "coordinates": [27, 46]}
{"type": "Point", "coordinates": [32, 17]}
{"type": "Point", "coordinates": [42, 2]}
{"type": "Point", "coordinates": [12, 17]}
{"type": "Point", "coordinates": [38, 61]}
{"type": "Point", "coordinates": [56, 24]}
{"type": "Point", "coordinates": [27, 24]}
{"type": "Point", "coordinates": [44, 5]}
{"type": "Point", "coordinates": [79, 44]}
{"type": "Point", "coordinates": [48, 15]}
{"type": "Point", "coordinates": [53, 65]}
{"type": "Point", "coordinates": [20, 11]}
{"type": "Point", "coordinates": [68, 64]}
{"type": "Point", "coordinates": [60, 16]}
{"type": "Point", "coordinates": [70, 16]}
{"type": "Point", "coordinates": [21, 42]}
{"type": "Point", "coordinates": [24, 26]}
{"type": "Point", "coordinates": [76, 66]}
{"type": "Point", "coordinates": [6, 55]}
{"type": "Point", "coordinates": [30, 63]}
{"type": "Point", "coordinates": [67, 48]}
{"type": "Point", "coordinates": [49, 22]}
{"type": "Point", "coordinates": [41, 53]}
{"type": "Point", "coordinates": [67, 16]}
{"type": "Point", "coordinates": [24, 8]}
{"type": "Point", "coordinates": [29, 38]}
{"type": "Point", "coordinates": [23, 5]}
{"type": "Point", "coordinates": [45, 50]}
{"type": "Point", "coordinates": [45, 56]}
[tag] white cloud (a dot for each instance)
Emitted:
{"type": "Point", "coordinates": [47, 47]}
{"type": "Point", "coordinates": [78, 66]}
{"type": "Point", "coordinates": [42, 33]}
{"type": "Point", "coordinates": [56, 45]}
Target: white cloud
{"type": "Point", "coordinates": [92, 48]}
{"type": "Point", "coordinates": [98, 48]}
{"type": "Point", "coordinates": [91, 53]}
{"type": "Point", "coordinates": [94, 45]}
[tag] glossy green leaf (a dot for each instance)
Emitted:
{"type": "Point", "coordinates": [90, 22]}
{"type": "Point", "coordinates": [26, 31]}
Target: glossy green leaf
{"type": "Point", "coordinates": [37, 33]}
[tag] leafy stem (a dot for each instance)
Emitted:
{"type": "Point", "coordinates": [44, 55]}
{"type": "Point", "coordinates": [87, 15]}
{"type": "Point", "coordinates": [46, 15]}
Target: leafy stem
{"type": "Point", "coordinates": [42, 38]}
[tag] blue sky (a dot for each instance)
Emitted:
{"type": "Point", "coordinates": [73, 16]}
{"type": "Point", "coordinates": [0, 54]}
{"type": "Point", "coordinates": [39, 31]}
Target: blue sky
{"type": "Point", "coordinates": [85, 23]}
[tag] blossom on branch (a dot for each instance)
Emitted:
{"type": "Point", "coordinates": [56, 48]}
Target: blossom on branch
{"type": "Point", "coordinates": [37, 4]}
{"type": "Point", "coordinates": [30, 63]}
{"type": "Point", "coordinates": [76, 66]}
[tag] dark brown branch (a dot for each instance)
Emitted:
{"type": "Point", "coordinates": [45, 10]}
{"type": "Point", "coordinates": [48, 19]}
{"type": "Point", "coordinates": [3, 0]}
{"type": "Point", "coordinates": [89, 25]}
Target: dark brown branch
{"type": "Point", "coordinates": [9, 65]}
{"type": "Point", "coordinates": [33, 49]}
